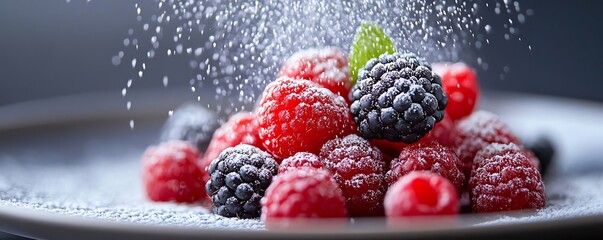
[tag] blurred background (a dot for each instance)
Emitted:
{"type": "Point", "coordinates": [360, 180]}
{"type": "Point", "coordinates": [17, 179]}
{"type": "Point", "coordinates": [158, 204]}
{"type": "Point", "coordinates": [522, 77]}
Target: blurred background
{"type": "Point", "coordinates": [57, 47]}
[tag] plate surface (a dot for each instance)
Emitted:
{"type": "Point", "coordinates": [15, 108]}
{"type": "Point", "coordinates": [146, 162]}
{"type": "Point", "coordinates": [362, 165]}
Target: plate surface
{"type": "Point", "coordinates": [68, 171]}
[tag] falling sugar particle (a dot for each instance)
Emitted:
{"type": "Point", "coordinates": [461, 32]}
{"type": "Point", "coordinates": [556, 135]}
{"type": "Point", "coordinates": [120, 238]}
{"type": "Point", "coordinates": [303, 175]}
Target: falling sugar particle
{"type": "Point", "coordinates": [243, 44]}
{"type": "Point", "coordinates": [131, 124]}
{"type": "Point", "coordinates": [128, 105]}
{"type": "Point", "coordinates": [165, 81]}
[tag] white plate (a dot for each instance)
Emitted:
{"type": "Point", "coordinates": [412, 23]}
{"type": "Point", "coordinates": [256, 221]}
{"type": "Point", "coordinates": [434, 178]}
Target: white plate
{"type": "Point", "coordinates": [69, 168]}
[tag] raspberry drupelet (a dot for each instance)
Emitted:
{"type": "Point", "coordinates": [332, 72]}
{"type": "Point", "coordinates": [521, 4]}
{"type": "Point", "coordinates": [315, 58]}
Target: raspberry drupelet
{"type": "Point", "coordinates": [300, 160]}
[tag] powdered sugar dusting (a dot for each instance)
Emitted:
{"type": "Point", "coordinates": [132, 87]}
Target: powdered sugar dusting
{"type": "Point", "coordinates": [103, 189]}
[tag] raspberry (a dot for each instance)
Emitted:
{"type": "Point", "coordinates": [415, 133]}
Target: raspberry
{"type": "Point", "coordinates": [397, 98]}
{"type": "Point", "coordinates": [300, 116]}
{"type": "Point", "coordinates": [358, 168]}
{"type": "Point", "coordinates": [327, 67]}
{"type": "Point", "coordinates": [239, 179]}
{"type": "Point", "coordinates": [443, 132]}
{"type": "Point", "coordinates": [460, 83]}
{"type": "Point", "coordinates": [503, 179]}
{"type": "Point", "coordinates": [430, 156]}
{"type": "Point", "coordinates": [191, 122]}
{"type": "Point", "coordinates": [170, 173]}
{"type": "Point", "coordinates": [303, 193]}
{"type": "Point", "coordinates": [241, 128]}
{"type": "Point", "coordinates": [421, 193]}
{"type": "Point", "coordinates": [300, 160]}
{"type": "Point", "coordinates": [477, 131]}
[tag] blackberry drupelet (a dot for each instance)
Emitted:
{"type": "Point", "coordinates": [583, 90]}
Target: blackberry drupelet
{"type": "Point", "coordinates": [239, 179]}
{"type": "Point", "coordinates": [193, 123]}
{"type": "Point", "coordinates": [398, 98]}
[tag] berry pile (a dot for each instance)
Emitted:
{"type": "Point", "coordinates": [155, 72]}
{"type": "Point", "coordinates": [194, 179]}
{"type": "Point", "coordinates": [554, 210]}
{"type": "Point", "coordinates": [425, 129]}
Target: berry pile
{"type": "Point", "coordinates": [401, 139]}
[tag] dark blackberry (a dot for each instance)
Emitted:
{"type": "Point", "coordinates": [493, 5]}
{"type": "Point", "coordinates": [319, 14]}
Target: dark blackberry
{"type": "Point", "coordinates": [193, 123]}
{"type": "Point", "coordinates": [544, 150]}
{"type": "Point", "coordinates": [238, 179]}
{"type": "Point", "coordinates": [397, 97]}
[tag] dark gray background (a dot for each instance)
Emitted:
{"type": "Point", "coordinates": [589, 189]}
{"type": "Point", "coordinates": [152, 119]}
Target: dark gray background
{"type": "Point", "coordinates": [51, 48]}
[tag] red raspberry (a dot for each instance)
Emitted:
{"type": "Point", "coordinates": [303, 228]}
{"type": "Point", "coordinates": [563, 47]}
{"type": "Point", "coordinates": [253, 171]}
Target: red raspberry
{"type": "Point", "coordinates": [327, 67]}
{"type": "Point", "coordinates": [302, 193]}
{"type": "Point", "coordinates": [503, 178]}
{"type": "Point", "coordinates": [241, 128]}
{"type": "Point", "coordinates": [460, 83]}
{"type": "Point", "coordinates": [300, 160]}
{"type": "Point", "coordinates": [170, 173]}
{"type": "Point", "coordinates": [443, 132]}
{"type": "Point", "coordinates": [477, 131]}
{"type": "Point", "coordinates": [300, 116]}
{"type": "Point", "coordinates": [430, 156]}
{"type": "Point", "coordinates": [358, 168]}
{"type": "Point", "coordinates": [421, 193]}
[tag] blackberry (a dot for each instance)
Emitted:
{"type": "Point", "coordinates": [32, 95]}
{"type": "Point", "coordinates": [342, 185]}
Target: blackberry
{"type": "Point", "coordinates": [193, 123]}
{"type": "Point", "coordinates": [239, 179]}
{"type": "Point", "coordinates": [544, 150]}
{"type": "Point", "coordinates": [398, 98]}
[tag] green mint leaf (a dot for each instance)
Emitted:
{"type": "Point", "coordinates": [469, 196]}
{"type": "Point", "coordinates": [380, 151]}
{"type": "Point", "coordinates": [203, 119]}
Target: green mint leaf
{"type": "Point", "coordinates": [370, 42]}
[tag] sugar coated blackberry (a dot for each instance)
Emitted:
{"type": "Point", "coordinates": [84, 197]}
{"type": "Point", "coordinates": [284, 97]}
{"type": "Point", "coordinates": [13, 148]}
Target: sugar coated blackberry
{"type": "Point", "coordinates": [193, 123]}
{"type": "Point", "coordinates": [239, 178]}
{"type": "Point", "coordinates": [398, 98]}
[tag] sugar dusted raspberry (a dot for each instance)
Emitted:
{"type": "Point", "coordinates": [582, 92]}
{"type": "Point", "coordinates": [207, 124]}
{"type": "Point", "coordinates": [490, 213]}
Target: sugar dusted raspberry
{"type": "Point", "coordinates": [358, 168]}
{"type": "Point", "coordinates": [503, 178]}
{"type": "Point", "coordinates": [477, 131]}
{"type": "Point", "coordinates": [421, 193]}
{"type": "Point", "coordinates": [327, 67]}
{"type": "Point", "coordinates": [241, 128]}
{"type": "Point", "coordinates": [170, 172]}
{"type": "Point", "coordinates": [443, 132]}
{"type": "Point", "coordinates": [430, 156]}
{"type": "Point", "coordinates": [460, 83]}
{"type": "Point", "coordinates": [299, 116]}
{"type": "Point", "coordinates": [302, 193]}
{"type": "Point", "coordinates": [300, 160]}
